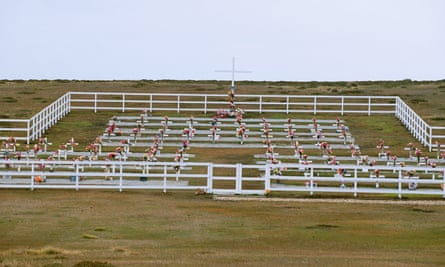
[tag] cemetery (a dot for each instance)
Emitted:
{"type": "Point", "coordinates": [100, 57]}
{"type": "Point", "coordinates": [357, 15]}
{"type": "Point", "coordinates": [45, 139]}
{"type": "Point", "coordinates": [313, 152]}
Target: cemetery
{"type": "Point", "coordinates": [140, 149]}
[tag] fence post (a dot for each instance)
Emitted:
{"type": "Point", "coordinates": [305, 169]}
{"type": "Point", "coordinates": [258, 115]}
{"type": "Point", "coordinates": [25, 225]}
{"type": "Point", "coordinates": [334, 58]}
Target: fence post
{"type": "Point", "coordinates": [123, 102]}
{"type": "Point", "coordinates": [239, 174]}
{"type": "Point", "coordinates": [31, 130]}
{"type": "Point", "coordinates": [430, 141]}
{"type": "Point", "coordinates": [205, 104]}
{"type": "Point", "coordinates": [77, 175]}
{"type": "Point", "coordinates": [165, 178]}
{"type": "Point", "coordinates": [28, 132]}
{"type": "Point", "coordinates": [179, 104]}
{"type": "Point", "coordinates": [64, 103]}
{"type": "Point", "coordinates": [151, 103]}
{"type": "Point", "coordinates": [315, 105]}
{"type": "Point", "coordinates": [266, 178]}
{"type": "Point", "coordinates": [261, 104]}
{"type": "Point", "coordinates": [210, 178]}
{"type": "Point", "coordinates": [49, 115]}
{"type": "Point", "coordinates": [95, 102]}
{"type": "Point", "coordinates": [287, 104]}
{"type": "Point", "coordinates": [120, 177]}
{"type": "Point", "coordinates": [355, 182]}
{"type": "Point", "coordinates": [44, 119]}
{"type": "Point", "coordinates": [68, 102]}
{"type": "Point", "coordinates": [39, 125]}
{"type": "Point", "coordinates": [53, 113]}
{"type": "Point", "coordinates": [342, 105]}
{"type": "Point", "coordinates": [311, 183]}
{"type": "Point", "coordinates": [400, 184]}
{"type": "Point", "coordinates": [369, 106]}
{"type": "Point", "coordinates": [33, 175]}
{"type": "Point", "coordinates": [65, 107]}
{"type": "Point", "coordinates": [36, 127]}
{"type": "Point", "coordinates": [47, 118]}
{"type": "Point", "coordinates": [443, 185]}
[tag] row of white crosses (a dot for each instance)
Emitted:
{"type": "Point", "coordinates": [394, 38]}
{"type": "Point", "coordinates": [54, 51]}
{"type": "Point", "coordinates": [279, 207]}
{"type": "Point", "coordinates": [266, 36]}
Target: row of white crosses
{"type": "Point", "coordinates": [214, 130]}
{"type": "Point", "coordinates": [315, 129]}
{"type": "Point", "coordinates": [64, 148]}
{"type": "Point", "coordinates": [241, 131]}
{"type": "Point", "coordinates": [188, 133]}
{"type": "Point", "coordinates": [277, 167]}
{"type": "Point", "coordinates": [154, 150]}
{"type": "Point", "coordinates": [8, 146]}
{"type": "Point", "coordinates": [326, 150]}
{"type": "Point", "coordinates": [94, 149]}
{"type": "Point", "coordinates": [290, 131]}
{"type": "Point", "coordinates": [40, 146]}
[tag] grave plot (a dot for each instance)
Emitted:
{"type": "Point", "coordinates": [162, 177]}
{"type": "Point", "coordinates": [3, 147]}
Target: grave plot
{"type": "Point", "coordinates": [131, 136]}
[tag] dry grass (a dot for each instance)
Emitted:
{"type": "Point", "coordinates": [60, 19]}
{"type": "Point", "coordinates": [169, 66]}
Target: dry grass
{"type": "Point", "coordinates": [51, 251]}
{"type": "Point", "coordinates": [425, 97]}
{"type": "Point", "coordinates": [89, 236]}
{"type": "Point", "coordinates": [175, 228]}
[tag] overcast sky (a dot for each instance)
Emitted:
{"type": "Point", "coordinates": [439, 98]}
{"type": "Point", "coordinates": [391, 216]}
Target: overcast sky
{"type": "Point", "coordinates": [294, 40]}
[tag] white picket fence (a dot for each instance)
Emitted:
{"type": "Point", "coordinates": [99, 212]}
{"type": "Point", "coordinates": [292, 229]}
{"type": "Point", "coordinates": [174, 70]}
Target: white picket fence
{"type": "Point", "coordinates": [422, 131]}
{"type": "Point", "coordinates": [32, 129]}
{"type": "Point", "coordinates": [250, 103]}
{"type": "Point", "coordinates": [307, 179]}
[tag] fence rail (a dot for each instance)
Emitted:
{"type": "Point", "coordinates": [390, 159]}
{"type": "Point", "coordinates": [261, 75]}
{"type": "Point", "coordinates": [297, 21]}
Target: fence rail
{"type": "Point", "coordinates": [251, 103]}
{"type": "Point", "coordinates": [308, 179]}
{"type": "Point", "coordinates": [32, 129]}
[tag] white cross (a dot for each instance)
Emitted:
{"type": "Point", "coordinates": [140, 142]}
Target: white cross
{"type": "Point", "coordinates": [233, 74]}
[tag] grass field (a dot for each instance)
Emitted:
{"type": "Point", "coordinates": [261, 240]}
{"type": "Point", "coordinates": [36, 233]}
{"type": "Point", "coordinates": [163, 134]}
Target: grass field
{"type": "Point", "coordinates": [143, 228]}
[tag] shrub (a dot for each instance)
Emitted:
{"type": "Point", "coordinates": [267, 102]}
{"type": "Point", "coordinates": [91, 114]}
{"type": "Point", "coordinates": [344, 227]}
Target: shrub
{"type": "Point", "coordinates": [93, 264]}
{"type": "Point", "coordinates": [26, 92]}
{"type": "Point", "coordinates": [89, 236]}
{"type": "Point", "coordinates": [9, 99]}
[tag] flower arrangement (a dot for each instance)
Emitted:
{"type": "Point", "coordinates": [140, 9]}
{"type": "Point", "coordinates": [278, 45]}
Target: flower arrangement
{"type": "Point", "coordinates": [418, 154]}
{"type": "Point", "coordinates": [394, 159]}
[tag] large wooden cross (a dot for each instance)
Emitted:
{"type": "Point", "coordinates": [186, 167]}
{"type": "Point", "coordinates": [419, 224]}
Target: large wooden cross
{"type": "Point", "coordinates": [233, 71]}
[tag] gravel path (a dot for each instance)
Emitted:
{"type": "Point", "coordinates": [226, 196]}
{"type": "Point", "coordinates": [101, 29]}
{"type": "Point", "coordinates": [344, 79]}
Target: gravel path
{"type": "Point", "coordinates": [336, 200]}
